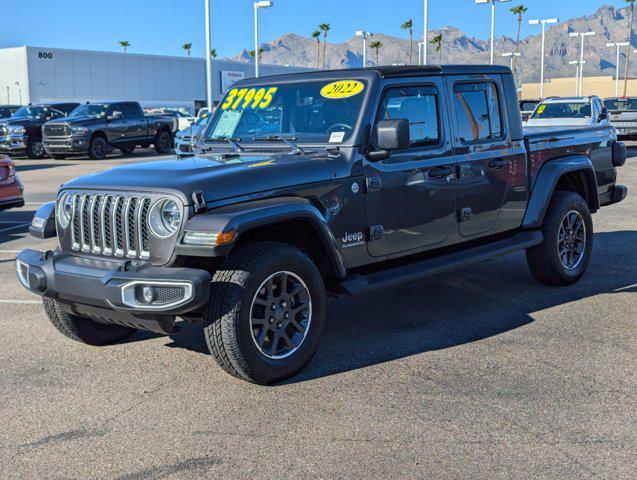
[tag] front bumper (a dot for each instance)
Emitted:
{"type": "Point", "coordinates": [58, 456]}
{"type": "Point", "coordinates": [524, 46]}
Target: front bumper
{"type": "Point", "coordinates": [107, 290]}
{"type": "Point", "coordinates": [13, 143]}
{"type": "Point", "coordinates": [183, 146]}
{"type": "Point", "coordinates": [69, 145]}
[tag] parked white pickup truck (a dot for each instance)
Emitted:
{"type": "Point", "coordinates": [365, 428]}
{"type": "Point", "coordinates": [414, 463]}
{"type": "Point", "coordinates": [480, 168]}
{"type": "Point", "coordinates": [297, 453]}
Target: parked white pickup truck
{"type": "Point", "coordinates": [569, 111]}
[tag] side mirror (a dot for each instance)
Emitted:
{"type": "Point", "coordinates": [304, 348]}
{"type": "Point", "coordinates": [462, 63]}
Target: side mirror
{"type": "Point", "coordinates": [114, 116]}
{"type": "Point", "coordinates": [43, 222]}
{"type": "Point", "coordinates": [391, 135]}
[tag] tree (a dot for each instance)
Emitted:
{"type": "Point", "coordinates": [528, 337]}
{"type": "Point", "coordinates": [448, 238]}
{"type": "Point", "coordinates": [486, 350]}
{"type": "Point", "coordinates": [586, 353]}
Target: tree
{"type": "Point", "coordinates": [251, 53]}
{"type": "Point", "coordinates": [213, 53]}
{"type": "Point", "coordinates": [324, 27]}
{"type": "Point", "coordinates": [437, 42]}
{"type": "Point", "coordinates": [408, 26]}
{"type": "Point", "coordinates": [519, 11]}
{"type": "Point", "coordinates": [316, 34]}
{"type": "Point", "coordinates": [376, 45]}
{"type": "Point", "coordinates": [629, 47]}
{"type": "Point", "coordinates": [187, 46]}
{"type": "Point", "coordinates": [124, 44]}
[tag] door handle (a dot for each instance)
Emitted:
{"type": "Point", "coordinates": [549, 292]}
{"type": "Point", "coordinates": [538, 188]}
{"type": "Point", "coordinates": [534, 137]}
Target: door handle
{"type": "Point", "coordinates": [499, 163]}
{"type": "Point", "coordinates": [441, 172]}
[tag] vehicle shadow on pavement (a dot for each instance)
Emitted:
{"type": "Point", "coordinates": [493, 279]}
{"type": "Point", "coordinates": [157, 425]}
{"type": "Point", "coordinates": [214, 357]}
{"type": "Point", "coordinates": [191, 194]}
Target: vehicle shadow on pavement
{"type": "Point", "coordinates": [448, 310]}
{"type": "Point", "coordinates": [26, 167]}
{"type": "Point", "coordinates": [14, 224]}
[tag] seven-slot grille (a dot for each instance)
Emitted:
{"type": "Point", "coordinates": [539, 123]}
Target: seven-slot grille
{"type": "Point", "coordinates": [111, 225]}
{"type": "Point", "coordinates": [56, 130]}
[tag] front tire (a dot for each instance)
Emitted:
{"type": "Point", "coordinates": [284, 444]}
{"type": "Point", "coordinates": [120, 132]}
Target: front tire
{"type": "Point", "coordinates": [82, 329]}
{"type": "Point", "coordinates": [561, 259]}
{"type": "Point", "coordinates": [98, 148]}
{"type": "Point", "coordinates": [163, 142]}
{"type": "Point", "coordinates": [265, 316]}
{"type": "Point", "coordinates": [35, 149]}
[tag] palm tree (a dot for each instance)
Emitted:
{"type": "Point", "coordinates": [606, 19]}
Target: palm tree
{"type": "Point", "coordinates": [628, 48]}
{"type": "Point", "coordinates": [437, 42]}
{"type": "Point", "coordinates": [124, 44]}
{"type": "Point", "coordinates": [316, 34]}
{"type": "Point", "coordinates": [408, 26]}
{"type": "Point", "coordinates": [519, 11]}
{"type": "Point", "coordinates": [324, 27]}
{"type": "Point", "coordinates": [376, 45]}
{"type": "Point", "coordinates": [187, 46]}
{"type": "Point", "coordinates": [213, 53]}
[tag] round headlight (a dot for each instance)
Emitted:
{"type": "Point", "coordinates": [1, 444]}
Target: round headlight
{"type": "Point", "coordinates": [65, 210]}
{"type": "Point", "coordinates": [164, 218]}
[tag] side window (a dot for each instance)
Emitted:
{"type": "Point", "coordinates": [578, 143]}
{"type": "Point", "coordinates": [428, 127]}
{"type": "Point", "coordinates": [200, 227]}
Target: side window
{"type": "Point", "coordinates": [478, 112]}
{"type": "Point", "coordinates": [129, 110]}
{"type": "Point", "coordinates": [419, 105]}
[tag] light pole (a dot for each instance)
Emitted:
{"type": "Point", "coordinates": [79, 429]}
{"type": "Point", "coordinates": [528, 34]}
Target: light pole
{"type": "Point", "coordinates": [426, 32]}
{"type": "Point", "coordinates": [542, 22]}
{"type": "Point", "coordinates": [17, 84]}
{"type": "Point", "coordinates": [208, 60]}
{"type": "Point", "coordinates": [617, 45]}
{"type": "Point", "coordinates": [492, 2]}
{"type": "Point", "coordinates": [581, 55]}
{"type": "Point", "coordinates": [577, 66]}
{"type": "Point", "coordinates": [364, 35]}
{"type": "Point", "coordinates": [257, 6]}
{"type": "Point", "coordinates": [512, 55]}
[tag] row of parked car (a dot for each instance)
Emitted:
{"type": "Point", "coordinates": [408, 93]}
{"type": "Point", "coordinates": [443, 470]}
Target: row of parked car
{"type": "Point", "coordinates": [620, 112]}
{"type": "Point", "coordinates": [60, 130]}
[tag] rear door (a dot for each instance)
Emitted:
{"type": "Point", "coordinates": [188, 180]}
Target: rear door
{"type": "Point", "coordinates": [411, 196]}
{"type": "Point", "coordinates": [490, 166]}
{"type": "Point", "coordinates": [136, 124]}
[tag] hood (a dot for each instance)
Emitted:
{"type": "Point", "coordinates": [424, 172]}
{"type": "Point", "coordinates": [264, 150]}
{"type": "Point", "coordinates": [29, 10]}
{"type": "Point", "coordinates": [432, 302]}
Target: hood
{"type": "Point", "coordinates": [194, 130]}
{"type": "Point", "coordinates": [16, 121]}
{"type": "Point", "coordinates": [558, 122]}
{"type": "Point", "coordinates": [218, 176]}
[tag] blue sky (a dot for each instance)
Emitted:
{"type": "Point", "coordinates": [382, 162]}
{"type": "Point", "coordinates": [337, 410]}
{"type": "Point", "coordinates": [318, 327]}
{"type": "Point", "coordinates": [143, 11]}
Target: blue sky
{"type": "Point", "coordinates": [162, 26]}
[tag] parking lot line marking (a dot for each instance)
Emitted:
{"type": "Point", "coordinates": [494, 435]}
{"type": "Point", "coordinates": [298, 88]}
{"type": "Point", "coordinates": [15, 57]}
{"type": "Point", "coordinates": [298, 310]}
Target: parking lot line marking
{"type": "Point", "coordinates": [10, 251]}
{"type": "Point", "coordinates": [15, 227]}
{"type": "Point", "coordinates": [22, 302]}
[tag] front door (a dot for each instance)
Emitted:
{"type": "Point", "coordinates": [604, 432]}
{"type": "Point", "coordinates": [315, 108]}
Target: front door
{"type": "Point", "coordinates": [411, 196]}
{"type": "Point", "coordinates": [489, 164]}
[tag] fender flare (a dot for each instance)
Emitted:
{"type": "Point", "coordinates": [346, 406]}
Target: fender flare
{"type": "Point", "coordinates": [546, 181]}
{"type": "Point", "coordinates": [252, 214]}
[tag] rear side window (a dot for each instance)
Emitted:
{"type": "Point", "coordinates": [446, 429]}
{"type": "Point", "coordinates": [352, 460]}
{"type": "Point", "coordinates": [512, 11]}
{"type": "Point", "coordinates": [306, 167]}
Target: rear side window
{"type": "Point", "coordinates": [478, 112]}
{"type": "Point", "coordinates": [419, 105]}
{"type": "Point", "coordinates": [129, 110]}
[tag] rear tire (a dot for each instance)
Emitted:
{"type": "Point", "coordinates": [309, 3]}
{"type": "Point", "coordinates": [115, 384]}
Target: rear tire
{"type": "Point", "coordinates": [82, 329]}
{"type": "Point", "coordinates": [265, 316]}
{"type": "Point", "coordinates": [35, 149]}
{"type": "Point", "coordinates": [98, 148]}
{"type": "Point", "coordinates": [163, 142]}
{"type": "Point", "coordinates": [567, 229]}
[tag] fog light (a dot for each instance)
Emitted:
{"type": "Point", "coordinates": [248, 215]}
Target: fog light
{"type": "Point", "coordinates": [156, 295]}
{"type": "Point", "coordinates": [147, 294]}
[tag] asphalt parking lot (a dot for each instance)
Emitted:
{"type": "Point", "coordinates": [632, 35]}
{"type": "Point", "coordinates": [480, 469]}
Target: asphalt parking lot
{"type": "Point", "coordinates": [478, 373]}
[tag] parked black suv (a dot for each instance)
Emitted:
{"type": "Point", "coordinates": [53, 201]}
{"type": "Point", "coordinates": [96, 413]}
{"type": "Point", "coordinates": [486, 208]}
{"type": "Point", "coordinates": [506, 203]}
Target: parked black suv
{"type": "Point", "coordinates": [336, 182]}
{"type": "Point", "coordinates": [22, 132]}
{"type": "Point", "coordinates": [96, 128]}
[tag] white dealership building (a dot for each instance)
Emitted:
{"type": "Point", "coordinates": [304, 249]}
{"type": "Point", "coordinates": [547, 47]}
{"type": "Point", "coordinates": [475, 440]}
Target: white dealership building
{"type": "Point", "coordinates": [40, 75]}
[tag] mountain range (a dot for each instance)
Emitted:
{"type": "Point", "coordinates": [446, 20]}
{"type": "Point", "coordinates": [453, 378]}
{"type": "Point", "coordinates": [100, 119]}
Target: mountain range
{"type": "Point", "coordinates": [609, 23]}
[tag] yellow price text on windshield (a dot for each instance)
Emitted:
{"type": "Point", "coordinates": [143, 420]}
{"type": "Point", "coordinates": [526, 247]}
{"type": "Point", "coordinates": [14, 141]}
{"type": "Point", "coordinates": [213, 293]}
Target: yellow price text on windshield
{"type": "Point", "coordinates": [249, 98]}
{"type": "Point", "coordinates": [342, 89]}
{"type": "Point", "coordinates": [540, 109]}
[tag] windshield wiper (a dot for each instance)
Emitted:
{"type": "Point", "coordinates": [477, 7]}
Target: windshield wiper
{"type": "Point", "coordinates": [278, 138]}
{"type": "Point", "coordinates": [230, 140]}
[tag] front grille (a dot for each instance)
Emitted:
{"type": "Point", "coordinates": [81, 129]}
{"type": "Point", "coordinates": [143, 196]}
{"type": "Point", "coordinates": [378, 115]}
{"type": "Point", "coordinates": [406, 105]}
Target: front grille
{"type": "Point", "coordinates": [111, 225]}
{"type": "Point", "coordinates": [56, 130]}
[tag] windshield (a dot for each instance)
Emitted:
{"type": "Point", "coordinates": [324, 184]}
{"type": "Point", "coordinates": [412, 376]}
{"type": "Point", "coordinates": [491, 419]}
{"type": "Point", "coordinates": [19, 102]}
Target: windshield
{"type": "Point", "coordinates": [528, 106]}
{"type": "Point", "coordinates": [311, 112]}
{"type": "Point", "coordinates": [203, 120]}
{"type": "Point", "coordinates": [33, 112]}
{"type": "Point", "coordinates": [6, 112]}
{"type": "Point", "coordinates": [621, 103]}
{"type": "Point", "coordinates": [563, 110]}
{"type": "Point", "coordinates": [95, 110]}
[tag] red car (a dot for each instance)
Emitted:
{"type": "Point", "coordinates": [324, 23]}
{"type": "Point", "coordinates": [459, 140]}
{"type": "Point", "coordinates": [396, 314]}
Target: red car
{"type": "Point", "coordinates": [10, 186]}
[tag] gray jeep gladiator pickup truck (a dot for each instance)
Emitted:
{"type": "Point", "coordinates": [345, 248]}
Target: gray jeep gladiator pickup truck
{"type": "Point", "coordinates": [96, 128]}
{"type": "Point", "coordinates": [304, 185]}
